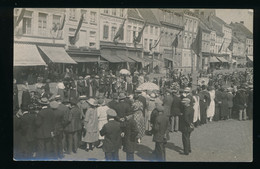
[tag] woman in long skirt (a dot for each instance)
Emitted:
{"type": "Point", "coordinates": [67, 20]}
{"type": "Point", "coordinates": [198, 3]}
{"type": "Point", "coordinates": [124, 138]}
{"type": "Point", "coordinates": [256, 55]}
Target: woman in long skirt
{"type": "Point", "coordinates": [196, 107]}
{"type": "Point", "coordinates": [102, 118]}
{"type": "Point", "coordinates": [211, 108]}
{"type": "Point", "coordinates": [91, 125]}
{"type": "Point", "coordinates": [137, 107]}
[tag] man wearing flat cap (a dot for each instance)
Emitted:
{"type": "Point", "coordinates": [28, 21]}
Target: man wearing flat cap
{"type": "Point", "coordinates": [112, 136]}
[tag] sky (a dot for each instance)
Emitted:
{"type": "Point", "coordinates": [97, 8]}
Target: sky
{"type": "Point", "coordinates": [237, 15]}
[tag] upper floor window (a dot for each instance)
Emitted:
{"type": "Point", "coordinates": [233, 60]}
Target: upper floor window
{"type": "Point", "coordinates": [27, 22]}
{"type": "Point", "coordinates": [105, 32]}
{"type": "Point", "coordinates": [56, 21]}
{"type": "Point", "coordinates": [113, 32]}
{"type": "Point", "coordinates": [156, 30]}
{"type": "Point", "coordinates": [151, 29]}
{"type": "Point", "coordinates": [105, 11]}
{"type": "Point", "coordinates": [72, 13]}
{"type": "Point", "coordinates": [121, 12]}
{"type": "Point", "coordinates": [42, 24]}
{"type": "Point", "coordinates": [92, 34]}
{"type": "Point", "coordinates": [84, 13]}
{"type": "Point", "coordinates": [114, 12]}
{"type": "Point", "coordinates": [145, 43]}
{"type": "Point", "coordinates": [93, 17]}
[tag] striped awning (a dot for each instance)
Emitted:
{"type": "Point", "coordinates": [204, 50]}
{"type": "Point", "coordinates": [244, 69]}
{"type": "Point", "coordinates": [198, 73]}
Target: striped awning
{"type": "Point", "coordinates": [57, 54]}
{"type": "Point", "coordinates": [221, 59]}
{"type": "Point", "coordinates": [27, 55]}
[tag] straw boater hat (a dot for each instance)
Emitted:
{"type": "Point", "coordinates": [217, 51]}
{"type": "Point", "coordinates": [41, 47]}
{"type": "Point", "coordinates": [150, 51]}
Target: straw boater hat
{"type": "Point", "coordinates": [87, 77]}
{"type": "Point", "coordinates": [44, 101]}
{"type": "Point", "coordinates": [80, 78]}
{"type": "Point", "coordinates": [83, 97]}
{"type": "Point", "coordinates": [122, 96]}
{"type": "Point", "coordinates": [92, 102]}
{"type": "Point", "coordinates": [136, 72]}
{"type": "Point", "coordinates": [57, 97]}
{"type": "Point", "coordinates": [111, 113]}
{"type": "Point", "coordinates": [97, 77]}
{"type": "Point", "coordinates": [54, 105]}
{"type": "Point", "coordinates": [152, 96]}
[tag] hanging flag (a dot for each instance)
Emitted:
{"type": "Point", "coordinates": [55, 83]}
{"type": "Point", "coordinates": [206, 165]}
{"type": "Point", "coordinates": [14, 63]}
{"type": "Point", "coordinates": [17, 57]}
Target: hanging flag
{"type": "Point", "coordinates": [20, 17]}
{"type": "Point", "coordinates": [175, 43]}
{"type": "Point", "coordinates": [221, 46]}
{"type": "Point", "coordinates": [196, 44]}
{"type": "Point", "coordinates": [138, 38]}
{"type": "Point", "coordinates": [120, 32]}
{"type": "Point", "coordinates": [62, 22]}
{"type": "Point", "coordinates": [75, 38]}
{"type": "Point", "coordinates": [156, 44]}
{"type": "Point", "coordinates": [246, 52]}
{"type": "Point", "coordinates": [230, 46]}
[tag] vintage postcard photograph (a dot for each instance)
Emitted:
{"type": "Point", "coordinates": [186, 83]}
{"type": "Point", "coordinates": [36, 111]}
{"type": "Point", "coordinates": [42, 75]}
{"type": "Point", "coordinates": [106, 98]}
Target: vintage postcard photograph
{"type": "Point", "coordinates": [133, 84]}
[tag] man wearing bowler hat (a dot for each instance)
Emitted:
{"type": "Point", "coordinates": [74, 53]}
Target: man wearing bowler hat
{"type": "Point", "coordinates": [112, 136]}
{"type": "Point", "coordinates": [122, 108]}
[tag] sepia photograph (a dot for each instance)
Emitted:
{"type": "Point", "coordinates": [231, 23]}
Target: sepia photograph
{"type": "Point", "coordinates": [133, 84]}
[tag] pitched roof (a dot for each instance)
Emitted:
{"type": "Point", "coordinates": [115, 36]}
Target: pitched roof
{"type": "Point", "coordinates": [210, 25]}
{"type": "Point", "coordinates": [148, 15]}
{"type": "Point", "coordinates": [243, 29]}
{"type": "Point", "coordinates": [132, 12]}
{"type": "Point", "coordinates": [220, 21]}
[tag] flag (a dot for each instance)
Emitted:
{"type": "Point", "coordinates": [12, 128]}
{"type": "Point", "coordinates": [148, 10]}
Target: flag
{"type": "Point", "coordinates": [75, 38]}
{"type": "Point", "coordinates": [246, 52]}
{"type": "Point", "coordinates": [138, 38]}
{"type": "Point", "coordinates": [62, 22]}
{"type": "Point", "coordinates": [156, 44]}
{"type": "Point", "coordinates": [196, 44]}
{"type": "Point", "coordinates": [120, 32]}
{"type": "Point", "coordinates": [221, 46]}
{"type": "Point", "coordinates": [175, 43]}
{"type": "Point", "coordinates": [230, 46]}
{"type": "Point", "coordinates": [20, 17]}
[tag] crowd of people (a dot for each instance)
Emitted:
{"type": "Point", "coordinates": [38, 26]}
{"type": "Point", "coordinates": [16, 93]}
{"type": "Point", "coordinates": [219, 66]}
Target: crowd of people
{"type": "Point", "coordinates": [109, 112]}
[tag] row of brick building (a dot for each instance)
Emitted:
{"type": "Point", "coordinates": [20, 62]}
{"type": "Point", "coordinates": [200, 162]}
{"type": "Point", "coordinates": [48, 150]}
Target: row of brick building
{"type": "Point", "coordinates": [36, 42]}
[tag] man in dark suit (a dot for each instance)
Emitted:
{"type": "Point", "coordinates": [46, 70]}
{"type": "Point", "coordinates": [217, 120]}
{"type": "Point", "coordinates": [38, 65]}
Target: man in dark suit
{"type": "Point", "coordinates": [218, 103]}
{"type": "Point", "coordinates": [113, 103]}
{"type": "Point", "coordinates": [112, 132]}
{"type": "Point", "coordinates": [159, 137]}
{"type": "Point", "coordinates": [175, 111]}
{"type": "Point", "coordinates": [44, 130]}
{"type": "Point", "coordinates": [186, 120]}
{"type": "Point", "coordinates": [204, 103]}
{"type": "Point", "coordinates": [122, 108]}
{"type": "Point", "coordinates": [73, 120]}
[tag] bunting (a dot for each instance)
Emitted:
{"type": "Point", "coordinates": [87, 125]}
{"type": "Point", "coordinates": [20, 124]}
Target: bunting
{"type": "Point", "coordinates": [230, 46]}
{"type": "Point", "coordinates": [140, 34]}
{"type": "Point", "coordinates": [120, 32]}
{"type": "Point", "coordinates": [75, 38]}
{"type": "Point", "coordinates": [221, 46]}
{"type": "Point", "coordinates": [157, 42]}
{"type": "Point", "coordinates": [196, 44]}
{"type": "Point", "coordinates": [20, 17]}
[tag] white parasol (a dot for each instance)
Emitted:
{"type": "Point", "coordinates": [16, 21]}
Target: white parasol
{"type": "Point", "coordinates": [148, 86]}
{"type": "Point", "coordinates": [124, 72]}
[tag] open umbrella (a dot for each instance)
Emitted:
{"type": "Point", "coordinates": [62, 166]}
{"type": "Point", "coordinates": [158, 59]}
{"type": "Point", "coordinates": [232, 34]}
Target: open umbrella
{"type": "Point", "coordinates": [124, 72]}
{"type": "Point", "coordinates": [148, 86]}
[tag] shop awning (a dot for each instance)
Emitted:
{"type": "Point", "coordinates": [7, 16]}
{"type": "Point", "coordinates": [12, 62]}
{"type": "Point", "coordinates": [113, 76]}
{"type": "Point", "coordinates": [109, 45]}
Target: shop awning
{"type": "Point", "coordinates": [234, 61]}
{"type": "Point", "coordinates": [250, 58]}
{"type": "Point", "coordinates": [27, 55]}
{"type": "Point", "coordinates": [86, 59]}
{"type": "Point", "coordinates": [135, 58]}
{"type": "Point", "coordinates": [57, 54]}
{"type": "Point", "coordinates": [122, 55]}
{"type": "Point", "coordinates": [222, 59]}
{"type": "Point", "coordinates": [213, 59]}
{"type": "Point", "coordinates": [110, 56]}
{"type": "Point", "coordinates": [170, 59]}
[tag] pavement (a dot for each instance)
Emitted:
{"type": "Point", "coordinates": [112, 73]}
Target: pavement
{"type": "Point", "coordinates": [222, 141]}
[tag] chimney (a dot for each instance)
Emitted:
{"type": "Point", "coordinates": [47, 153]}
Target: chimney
{"type": "Point", "coordinates": [242, 22]}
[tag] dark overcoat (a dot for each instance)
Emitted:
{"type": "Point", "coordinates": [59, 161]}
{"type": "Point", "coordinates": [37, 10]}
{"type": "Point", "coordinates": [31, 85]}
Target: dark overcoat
{"type": "Point", "coordinates": [176, 106]}
{"type": "Point", "coordinates": [131, 131]}
{"type": "Point", "coordinates": [73, 117]}
{"type": "Point", "coordinates": [160, 128]}
{"type": "Point", "coordinates": [186, 119]}
{"type": "Point", "coordinates": [112, 132]}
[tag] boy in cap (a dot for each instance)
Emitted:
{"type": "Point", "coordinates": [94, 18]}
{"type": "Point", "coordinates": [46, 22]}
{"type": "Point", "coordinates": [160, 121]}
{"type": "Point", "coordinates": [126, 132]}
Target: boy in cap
{"type": "Point", "coordinates": [112, 136]}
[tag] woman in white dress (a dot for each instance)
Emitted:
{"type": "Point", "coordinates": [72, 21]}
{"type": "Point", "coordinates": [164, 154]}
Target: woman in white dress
{"type": "Point", "coordinates": [102, 118]}
{"type": "Point", "coordinates": [211, 108]}
{"type": "Point", "coordinates": [60, 87]}
{"type": "Point", "coordinates": [196, 107]}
